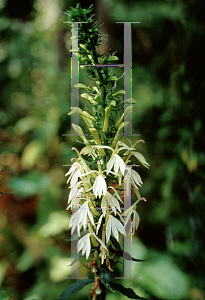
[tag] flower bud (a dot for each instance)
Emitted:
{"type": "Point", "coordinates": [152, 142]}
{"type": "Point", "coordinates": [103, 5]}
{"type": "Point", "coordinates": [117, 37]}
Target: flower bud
{"type": "Point", "coordinates": [94, 133]}
{"type": "Point", "coordinates": [113, 58]}
{"type": "Point", "coordinates": [119, 93]}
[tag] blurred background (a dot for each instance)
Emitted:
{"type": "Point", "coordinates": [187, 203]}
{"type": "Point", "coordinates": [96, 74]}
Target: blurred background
{"type": "Point", "coordinates": [169, 87]}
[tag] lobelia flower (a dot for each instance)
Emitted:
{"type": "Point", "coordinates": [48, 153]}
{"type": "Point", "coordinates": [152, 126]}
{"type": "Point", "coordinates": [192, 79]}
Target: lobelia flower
{"type": "Point", "coordinates": [141, 159]}
{"type": "Point", "coordinates": [74, 196]}
{"type": "Point", "coordinates": [113, 225]}
{"type": "Point", "coordinates": [99, 186]}
{"type": "Point", "coordinates": [133, 177]}
{"type": "Point", "coordinates": [112, 201]}
{"type": "Point", "coordinates": [81, 218]}
{"type": "Point", "coordinates": [85, 245]}
{"type": "Point", "coordinates": [115, 160]}
{"type": "Point", "coordinates": [136, 219]}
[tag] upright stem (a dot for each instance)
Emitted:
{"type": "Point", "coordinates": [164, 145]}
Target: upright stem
{"type": "Point", "coordinates": [102, 86]}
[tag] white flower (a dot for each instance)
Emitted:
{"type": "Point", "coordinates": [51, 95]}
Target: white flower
{"type": "Point", "coordinates": [74, 221]}
{"type": "Point", "coordinates": [135, 221]}
{"type": "Point", "coordinates": [84, 244]}
{"type": "Point", "coordinates": [118, 164]}
{"type": "Point", "coordinates": [99, 186]}
{"type": "Point", "coordinates": [136, 218]}
{"type": "Point", "coordinates": [141, 159]}
{"type": "Point", "coordinates": [115, 160]}
{"type": "Point", "coordinates": [135, 179]}
{"type": "Point", "coordinates": [85, 215]}
{"type": "Point", "coordinates": [74, 173]}
{"type": "Point", "coordinates": [74, 195]}
{"type": "Point", "coordinates": [113, 225]}
{"type": "Point", "coordinates": [81, 218]}
{"type": "Point", "coordinates": [112, 201]}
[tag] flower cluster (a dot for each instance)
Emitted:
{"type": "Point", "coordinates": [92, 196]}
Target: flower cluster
{"type": "Point", "coordinates": [98, 202]}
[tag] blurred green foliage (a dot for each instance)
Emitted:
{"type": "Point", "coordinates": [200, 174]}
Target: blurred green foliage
{"type": "Point", "coordinates": [169, 87]}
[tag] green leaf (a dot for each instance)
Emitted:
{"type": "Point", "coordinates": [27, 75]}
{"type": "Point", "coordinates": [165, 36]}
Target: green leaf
{"type": "Point", "coordinates": [76, 259]}
{"type": "Point", "coordinates": [115, 243]}
{"type": "Point", "coordinates": [3, 296]}
{"type": "Point", "coordinates": [105, 278]}
{"type": "Point", "coordinates": [127, 256]}
{"type": "Point", "coordinates": [75, 287]}
{"type": "Point", "coordinates": [125, 291]}
{"type": "Point", "coordinates": [122, 253]}
{"type": "Point", "coordinates": [75, 236]}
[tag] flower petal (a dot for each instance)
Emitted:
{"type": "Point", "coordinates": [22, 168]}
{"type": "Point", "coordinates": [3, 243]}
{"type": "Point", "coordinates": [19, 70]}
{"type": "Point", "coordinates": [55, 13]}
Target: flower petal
{"type": "Point", "coordinates": [108, 230]}
{"type": "Point", "coordinates": [104, 205]}
{"type": "Point", "coordinates": [114, 228]}
{"type": "Point", "coordinates": [136, 220]}
{"type": "Point", "coordinates": [141, 159]}
{"type": "Point", "coordinates": [110, 163]}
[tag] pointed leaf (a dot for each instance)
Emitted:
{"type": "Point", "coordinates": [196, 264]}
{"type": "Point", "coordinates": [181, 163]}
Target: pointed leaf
{"type": "Point", "coordinates": [75, 287]}
{"type": "Point", "coordinates": [115, 243]}
{"type": "Point", "coordinates": [76, 259]}
{"type": "Point", "coordinates": [127, 256]}
{"type": "Point", "coordinates": [75, 236]}
{"type": "Point", "coordinates": [105, 278]}
{"type": "Point", "coordinates": [126, 291]}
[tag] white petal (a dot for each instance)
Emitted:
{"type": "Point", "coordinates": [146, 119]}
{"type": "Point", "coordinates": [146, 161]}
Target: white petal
{"type": "Point", "coordinates": [81, 243]}
{"type": "Point", "coordinates": [95, 187]}
{"type": "Point", "coordinates": [74, 178]}
{"type": "Point", "coordinates": [110, 164]}
{"type": "Point", "coordinates": [100, 241]}
{"type": "Point", "coordinates": [116, 164]}
{"type": "Point", "coordinates": [136, 179]}
{"type": "Point", "coordinates": [141, 159]}
{"type": "Point", "coordinates": [122, 164]}
{"type": "Point", "coordinates": [91, 217]}
{"type": "Point", "coordinates": [99, 223]}
{"type": "Point", "coordinates": [108, 230]}
{"type": "Point", "coordinates": [119, 226]}
{"type": "Point", "coordinates": [104, 205]}
{"type": "Point", "coordinates": [88, 247]}
{"type": "Point", "coordinates": [136, 220]}
{"type": "Point", "coordinates": [118, 197]}
{"type": "Point", "coordinates": [114, 229]}
{"type": "Point", "coordinates": [107, 147]}
{"type": "Point", "coordinates": [127, 218]}
{"type": "Point", "coordinates": [113, 201]}
{"type": "Point", "coordinates": [104, 186]}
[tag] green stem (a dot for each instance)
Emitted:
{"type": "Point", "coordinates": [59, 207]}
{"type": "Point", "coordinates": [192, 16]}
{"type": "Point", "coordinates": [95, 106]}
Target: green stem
{"type": "Point", "coordinates": [102, 86]}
